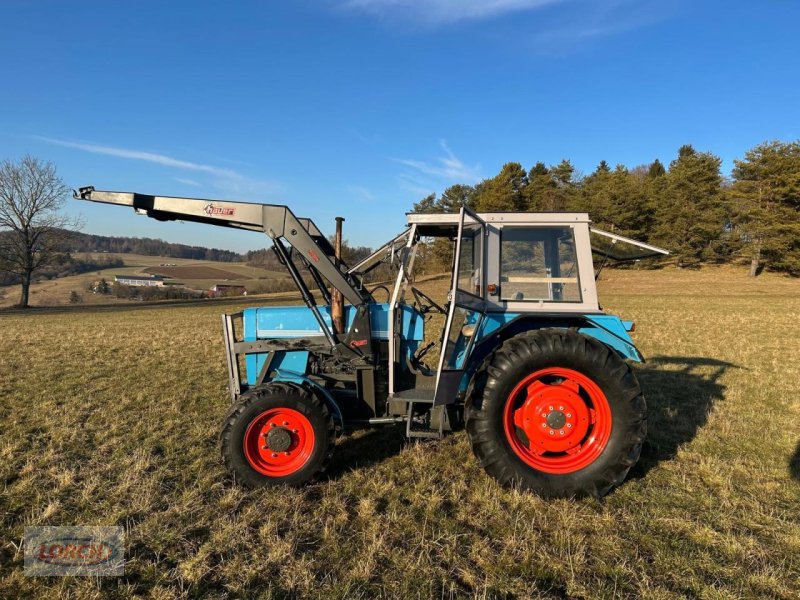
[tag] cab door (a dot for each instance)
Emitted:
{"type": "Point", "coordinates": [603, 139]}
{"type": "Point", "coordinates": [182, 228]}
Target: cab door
{"type": "Point", "coordinates": [466, 305]}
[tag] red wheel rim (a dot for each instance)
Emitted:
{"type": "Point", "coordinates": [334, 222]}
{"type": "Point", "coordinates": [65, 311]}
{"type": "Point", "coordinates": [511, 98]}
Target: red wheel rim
{"type": "Point", "coordinates": [557, 420]}
{"type": "Point", "coordinates": [286, 449]}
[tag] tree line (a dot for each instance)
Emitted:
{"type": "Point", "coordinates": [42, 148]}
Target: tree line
{"type": "Point", "coordinates": [83, 242]}
{"type": "Point", "coordinates": [64, 265]}
{"type": "Point", "coordinates": [687, 206]}
{"type": "Point", "coordinates": [266, 258]}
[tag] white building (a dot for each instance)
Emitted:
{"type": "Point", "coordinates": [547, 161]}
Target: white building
{"type": "Point", "coordinates": [138, 281]}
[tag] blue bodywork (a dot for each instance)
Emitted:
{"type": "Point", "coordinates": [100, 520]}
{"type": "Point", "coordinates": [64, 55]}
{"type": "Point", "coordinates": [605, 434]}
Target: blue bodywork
{"type": "Point", "coordinates": [609, 329]}
{"type": "Point", "coordinates": [290, 322]}
{"type": "Point", "coordinates": [491, 329]}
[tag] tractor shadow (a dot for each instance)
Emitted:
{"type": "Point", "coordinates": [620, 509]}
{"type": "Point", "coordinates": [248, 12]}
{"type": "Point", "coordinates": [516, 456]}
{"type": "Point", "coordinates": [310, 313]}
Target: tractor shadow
{"type": "Point", "coordinates": [365, 447]}
{"type": "Point", "coordinates": [680, 392]}
{"type": "Point", "coordinates": [794, 463]}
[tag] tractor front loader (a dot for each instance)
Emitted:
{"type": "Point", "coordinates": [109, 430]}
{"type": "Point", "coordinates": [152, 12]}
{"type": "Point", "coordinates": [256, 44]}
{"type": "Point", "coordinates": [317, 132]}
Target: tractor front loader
{"type": "Point", "coordinates": [527, 359]}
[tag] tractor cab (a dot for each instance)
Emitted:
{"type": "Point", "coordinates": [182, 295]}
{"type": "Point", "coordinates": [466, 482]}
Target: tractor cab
{"type": "Point", "coordinates": [509, 271]}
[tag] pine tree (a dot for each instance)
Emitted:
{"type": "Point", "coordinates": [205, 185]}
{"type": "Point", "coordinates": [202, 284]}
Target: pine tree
{"type": "Point", "coordinates": [504, 192]}
{"type": "Point", "coordinates": [455, 196]}
{"type": "Point", "coordinates": [539, 189]}
{"type": "Point", "coordinates": [563, 195]}
{"type": "Point", "coordinates": [766, 198]}
{"type": "Point", "coordinates": [690, 217]}
{"type": "Point", "coordinates": [595, 196]}
{"type": "Point", "coordinates": [628, 210]}
{"type": "Point", "coordinates": [426, 205]}
{"type": "Point", "coordinates": [656, 169]}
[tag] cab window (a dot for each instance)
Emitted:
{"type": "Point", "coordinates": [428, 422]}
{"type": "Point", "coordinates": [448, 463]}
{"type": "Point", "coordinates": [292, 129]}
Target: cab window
{"type": "Point", "coordinates": [538, 264]}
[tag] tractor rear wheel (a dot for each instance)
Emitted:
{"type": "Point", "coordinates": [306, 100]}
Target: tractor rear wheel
{"type": "Point", "coordinates": [557, 413]}
{"type": "Point", "coordinates": [278, 433]}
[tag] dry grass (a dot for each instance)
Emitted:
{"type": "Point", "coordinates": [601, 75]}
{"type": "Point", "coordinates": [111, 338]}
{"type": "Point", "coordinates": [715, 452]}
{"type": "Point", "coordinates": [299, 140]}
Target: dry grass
{"type": "Point", "coordinates": [112, 418]}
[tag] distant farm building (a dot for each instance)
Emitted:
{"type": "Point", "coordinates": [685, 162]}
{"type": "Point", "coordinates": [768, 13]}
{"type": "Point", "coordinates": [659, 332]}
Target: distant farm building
{"type": "Point", "coordinates": [222, 289]}
{"type": "Point", "coordinates": [137, 281]}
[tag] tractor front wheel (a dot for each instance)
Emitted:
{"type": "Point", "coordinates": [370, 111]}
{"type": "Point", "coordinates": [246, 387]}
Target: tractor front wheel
{"type": "Point", "coordinates": [278, 433]}
{"type": "Point", "coordinates": [557, 413]}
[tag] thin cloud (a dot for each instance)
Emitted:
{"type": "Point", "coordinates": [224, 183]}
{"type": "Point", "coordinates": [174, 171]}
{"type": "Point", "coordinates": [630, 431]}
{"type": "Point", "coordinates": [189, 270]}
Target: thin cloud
{"type": "Point", "coordinates": [227, 180]}
{"type": "Point", "coordinates": [603, 19]}
{"type": "Point", "coordinates": [422, 178]}
{"type": "Point", "coordinates": [438, 12]}
{"type": "Point", "coordinates": [415, 186]}
{"type": "Point", "coordinates": [360, 192]}
{"type": "Point", "coordinates": [160, 159]}
{"type": "Point", "coordinates": [554, 26]}
{"type": "Point", "coordinates": [448, 167]}
{"type": "Point", "coordinates": [187, 181]}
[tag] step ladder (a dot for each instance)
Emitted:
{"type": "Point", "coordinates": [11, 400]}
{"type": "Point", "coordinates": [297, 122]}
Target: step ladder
{"type": "Point", "coordinates": [419, 397]}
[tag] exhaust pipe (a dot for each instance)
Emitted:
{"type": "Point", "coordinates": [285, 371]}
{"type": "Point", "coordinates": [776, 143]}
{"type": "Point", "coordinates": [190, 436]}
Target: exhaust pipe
{"type": "Point", "coordinates": [337, 300]}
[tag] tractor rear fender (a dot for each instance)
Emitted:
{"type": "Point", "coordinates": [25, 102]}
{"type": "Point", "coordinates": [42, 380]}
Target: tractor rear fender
{"type": "Point", "coordinates": [323, 394]}
{"type": "Point", "coordinates": [496, 328]}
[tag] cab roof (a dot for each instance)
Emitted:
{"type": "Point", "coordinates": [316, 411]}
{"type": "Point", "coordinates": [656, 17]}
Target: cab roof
{"type": "Point", "coordinates": [604, 243]}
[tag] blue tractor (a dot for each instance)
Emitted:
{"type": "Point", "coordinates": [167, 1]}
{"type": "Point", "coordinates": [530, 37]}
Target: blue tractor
{"type": "Point", "coordinates": [527, 360]}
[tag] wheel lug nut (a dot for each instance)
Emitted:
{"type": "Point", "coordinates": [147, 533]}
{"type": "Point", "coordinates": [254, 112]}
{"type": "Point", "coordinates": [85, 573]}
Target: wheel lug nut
{"type": "Point", "coordinates": [544, 424]}
{"type": "Point", "coordinates": [272, 424]}
{"type": "Point", "coordinates": [552, 432]}
{"type": "Point", "coordinates": [294, 430]}
{"type": "Point", "coordinates": [560, 408]}
{"type": "Point", "coordinates": [544, 415]}
{"type": "Point", "coordinates": [286, 422]}
{"type": "Point", "coordinates": [551, 408]}
{"type": "Point", "coordinates": [274, 455]}
{"type": "Point", "coordinates": [288, 453]}
{"type": "Point", "coordinates": [561, 432]}
{"type": "Point", "coordinates": [569, 415]}
{"type": "Point", "coordinates": [569, 425]}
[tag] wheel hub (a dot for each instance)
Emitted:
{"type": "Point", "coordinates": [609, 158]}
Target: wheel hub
{"type": "Point", "coordinates": [556, 419]}
{"type": "Point", "coordinates": [279, 439]}
{"type": "Point", "coordinates": [553, 418]}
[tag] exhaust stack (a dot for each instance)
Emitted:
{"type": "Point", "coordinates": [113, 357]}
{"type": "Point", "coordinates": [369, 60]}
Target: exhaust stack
{"type": "Point", "coordinates": [337, 300]}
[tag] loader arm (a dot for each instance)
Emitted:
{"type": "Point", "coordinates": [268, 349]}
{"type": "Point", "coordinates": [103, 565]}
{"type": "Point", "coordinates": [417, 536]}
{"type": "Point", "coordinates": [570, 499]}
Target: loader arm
{"type": "Point", "coordinates": [277, 221]}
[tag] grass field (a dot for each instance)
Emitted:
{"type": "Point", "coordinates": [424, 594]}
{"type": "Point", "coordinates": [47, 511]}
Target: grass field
{"type": "Point", "coordinates": [111, 418]}
{"type": "Point", "coordinates": [195, 274]}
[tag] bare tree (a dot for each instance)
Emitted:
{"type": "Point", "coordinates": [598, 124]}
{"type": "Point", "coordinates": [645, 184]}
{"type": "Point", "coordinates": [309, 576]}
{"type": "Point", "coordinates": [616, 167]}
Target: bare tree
{"type": "Point", "coordinates": [31, 196]}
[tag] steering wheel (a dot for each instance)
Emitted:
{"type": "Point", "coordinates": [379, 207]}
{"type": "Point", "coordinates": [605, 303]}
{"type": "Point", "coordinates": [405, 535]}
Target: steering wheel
{"type": "Point", "coordinates": [424, 308]}
{"type": "Point", "coordinates": [382, 287]}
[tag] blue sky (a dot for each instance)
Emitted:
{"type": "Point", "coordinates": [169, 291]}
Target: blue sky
{"type": "Point", "coordinates": [361, 107]}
